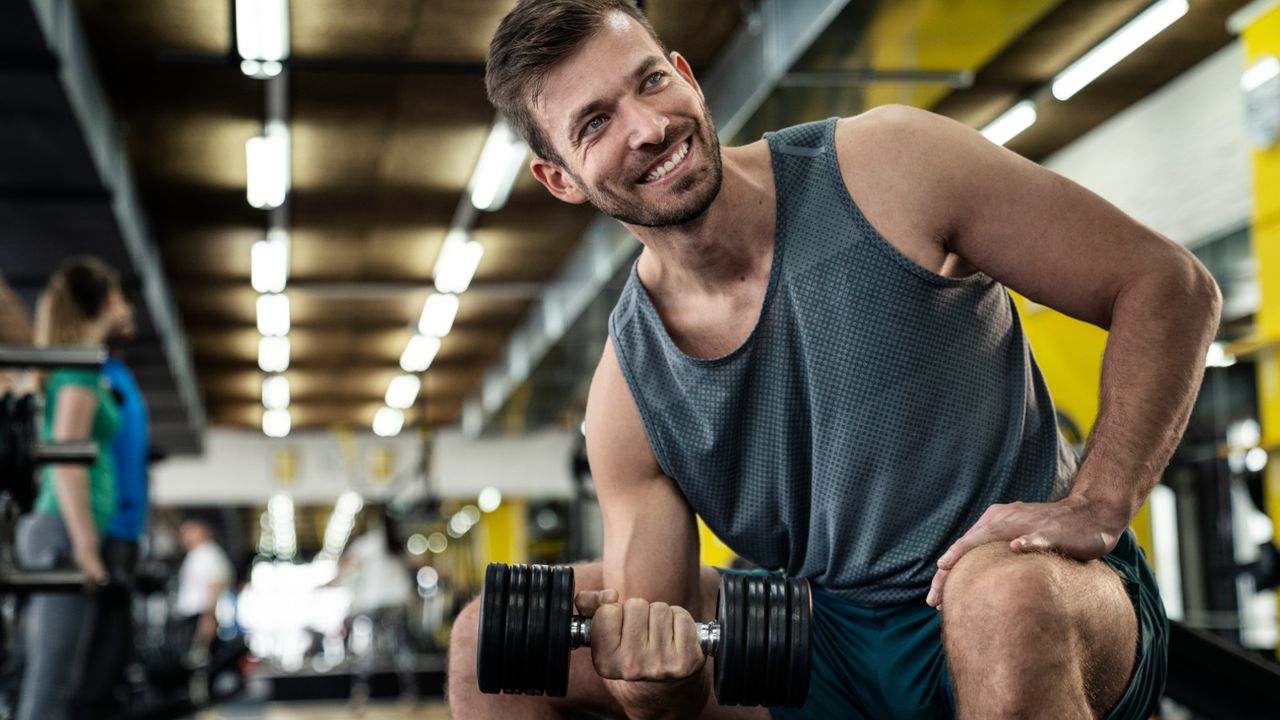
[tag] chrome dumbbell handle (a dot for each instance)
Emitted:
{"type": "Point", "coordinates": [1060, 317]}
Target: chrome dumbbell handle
{"type": "Point", "coordinates": [708, 634]}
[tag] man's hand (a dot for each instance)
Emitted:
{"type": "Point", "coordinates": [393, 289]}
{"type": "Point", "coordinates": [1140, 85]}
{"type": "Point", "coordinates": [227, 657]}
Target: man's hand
{"type": "Point", "coordinates": [638, 640]}
{"type": "Point", "coordinates": [1074, 526]}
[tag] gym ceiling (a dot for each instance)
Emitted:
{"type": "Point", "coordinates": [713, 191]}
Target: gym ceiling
{"type": "Point", "coordinates": [387, 116]}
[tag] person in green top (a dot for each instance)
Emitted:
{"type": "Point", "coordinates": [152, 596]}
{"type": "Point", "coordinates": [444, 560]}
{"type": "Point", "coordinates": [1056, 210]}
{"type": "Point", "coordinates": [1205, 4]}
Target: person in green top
{"type": "Point", "coordinates": [82, 305]}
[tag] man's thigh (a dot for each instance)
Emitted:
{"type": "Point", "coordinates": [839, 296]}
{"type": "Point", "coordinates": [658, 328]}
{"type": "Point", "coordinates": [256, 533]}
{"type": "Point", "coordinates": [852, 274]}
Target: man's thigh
{"type": "Point", "coordinates": [987, 598]}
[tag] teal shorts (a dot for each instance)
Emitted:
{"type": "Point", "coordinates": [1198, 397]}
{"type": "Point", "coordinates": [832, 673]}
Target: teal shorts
{"type": "Point", "coordinates": [888, 662]}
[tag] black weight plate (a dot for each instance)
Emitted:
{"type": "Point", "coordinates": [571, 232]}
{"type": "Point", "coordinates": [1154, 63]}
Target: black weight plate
{"type": "Point", "coordinates": [757, 649]}
{"type": "Point", "coordinates": [728, 680]}
{"type": "Point", "coordinates": [513, 651]}
{"type": "Point", "coordinates": [560, 613]}
{"type": "Point", "coordinates": [801, 611]}
{"type": "Point", "coordinates": [535, 656]}
{"type": "Point", "coordinates": [776, 665]}
{"type": "Point", "coordinates": [493, 595]}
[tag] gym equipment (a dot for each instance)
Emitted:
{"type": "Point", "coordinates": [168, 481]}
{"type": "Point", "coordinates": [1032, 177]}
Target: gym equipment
{"type": "Point", "coordinates": [21, 452]}
{"type": "Point", "coordinates": [760, 639]}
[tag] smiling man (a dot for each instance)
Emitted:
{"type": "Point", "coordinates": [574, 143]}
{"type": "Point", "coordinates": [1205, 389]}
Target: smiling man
{"type": "Point", "coordinates": [816, 352]}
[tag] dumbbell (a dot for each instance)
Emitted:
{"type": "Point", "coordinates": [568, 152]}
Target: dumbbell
{"type": "Point", "coordinates": [760, 638]}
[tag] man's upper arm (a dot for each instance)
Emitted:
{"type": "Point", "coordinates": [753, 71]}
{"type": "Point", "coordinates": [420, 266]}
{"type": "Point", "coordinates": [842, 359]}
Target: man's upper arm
{"type": "Point", "coordinates": [650, 535]}
{"type": "Point", "coordinates": [1027, 227]}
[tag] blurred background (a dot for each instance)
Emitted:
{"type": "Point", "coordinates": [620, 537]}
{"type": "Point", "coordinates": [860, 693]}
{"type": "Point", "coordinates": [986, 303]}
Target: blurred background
{"type": "Point", "coordinates": [364, 333]}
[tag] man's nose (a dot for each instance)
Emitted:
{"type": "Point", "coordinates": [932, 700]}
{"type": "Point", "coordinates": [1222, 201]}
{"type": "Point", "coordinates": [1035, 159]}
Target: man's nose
{"type": "Point", "coordinates": [648, 127]}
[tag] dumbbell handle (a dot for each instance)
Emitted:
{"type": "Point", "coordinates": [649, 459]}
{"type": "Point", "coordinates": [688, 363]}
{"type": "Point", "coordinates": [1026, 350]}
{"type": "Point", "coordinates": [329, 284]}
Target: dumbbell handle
{"type": "Point", "coordinates": [708, 634]}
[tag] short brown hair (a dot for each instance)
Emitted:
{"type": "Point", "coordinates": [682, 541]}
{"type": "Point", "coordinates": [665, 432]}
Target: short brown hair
{"type": "Point", "coordinates": [530, 41]}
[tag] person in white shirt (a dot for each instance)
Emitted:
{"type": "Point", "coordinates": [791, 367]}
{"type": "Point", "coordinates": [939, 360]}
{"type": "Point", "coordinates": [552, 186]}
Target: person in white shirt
{"type": "Point", "coordinates": [205, 574]}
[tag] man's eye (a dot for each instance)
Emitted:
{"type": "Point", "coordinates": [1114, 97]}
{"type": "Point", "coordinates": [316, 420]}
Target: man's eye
{"type": "Point", "coordinates": [593, 124]}
{"type": "Point", "coordinates": [654, 79]}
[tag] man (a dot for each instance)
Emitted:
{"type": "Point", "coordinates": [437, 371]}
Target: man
{"type": "Point", "coordinates": [817, 354]}
{"type": "Point", "coordinates": [204, 575]}
{"type": "Point", "coordinates": [113, 633]}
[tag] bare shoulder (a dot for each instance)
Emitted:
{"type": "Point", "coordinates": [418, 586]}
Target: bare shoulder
{"type": "Point", "coordinates": [616, 440]}
{"type": "Point", "coordinates": [896, 162]}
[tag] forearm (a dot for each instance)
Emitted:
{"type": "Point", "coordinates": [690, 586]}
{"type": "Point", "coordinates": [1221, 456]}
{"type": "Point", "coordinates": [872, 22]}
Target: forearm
{"type": "Point", "coordinates": [663, 700]}
{"type": "Point", "coordinates": [71, 485]}
{"type": "Point", "coordinates": [1151, 373]}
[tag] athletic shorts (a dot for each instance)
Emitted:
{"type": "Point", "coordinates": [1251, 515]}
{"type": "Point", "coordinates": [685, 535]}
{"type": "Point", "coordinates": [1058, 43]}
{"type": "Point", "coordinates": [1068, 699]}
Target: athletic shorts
{"type": "Point", "coordinates": [888, 662]}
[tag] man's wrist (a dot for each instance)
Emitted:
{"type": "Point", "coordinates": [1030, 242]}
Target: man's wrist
{"type": "Point", "coordinates": [1110, 506]}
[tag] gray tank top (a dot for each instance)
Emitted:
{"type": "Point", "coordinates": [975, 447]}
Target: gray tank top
{"type": "Point", "coordinates": [873, 414]}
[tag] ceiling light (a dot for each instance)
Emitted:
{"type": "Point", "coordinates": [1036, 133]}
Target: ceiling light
{"type": "Point", "coordinates": [262, 31]}
{"type": "Point", "coordinates": [1011, 123]}
{"type": "Point", "coordinates": [403, 391]}
{"type": "Point", "coordinates": [490, 498]}
{"type": "Point", "coordinates": [419, 353]}
{"type": "Point", "coordinates": [273, 314]}
{"type": "Point", "coordinates": [388, 422]}
{"type": "Point", "coordinates": [457, 263]}
{"type": "Point", "coordinates": [1259, 73]}
{"type": "Point", "coordinates": [1115, 48]}
{"type": "Point", "coordinates": [437, 314]}
{"type": "Point", "coordinates": [499, 166]}
{"type": "Point", "coordinates": [276, 423]}
{"type": "Point", "coordinates": [267, 166]}
{"type": "Point", "coordinates": [269, 265]}
{"type": "Point", "coordinates": [273, 354]}
{"type": "Point", "coordinates": [275, 392]}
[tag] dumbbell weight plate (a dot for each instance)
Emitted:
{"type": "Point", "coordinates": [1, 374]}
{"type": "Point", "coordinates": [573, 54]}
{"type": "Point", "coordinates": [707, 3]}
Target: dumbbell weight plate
{"type": "Point", "coordinates": [728, 679]}
{"type": "Point", "coordinates": [779, 658]}
{"type": "Point", "coordinates": [492, 638]}
{"type": "Point", "coordinates": [535, 648]}
{"type": "Point", "coordinates": [513, 648]}
{"type": "Point", "coordinates": [801, 612]}
{"type": "Point", "coordinates": [560, 609]}
{"type": "Point", "coordinates": [754, 668]}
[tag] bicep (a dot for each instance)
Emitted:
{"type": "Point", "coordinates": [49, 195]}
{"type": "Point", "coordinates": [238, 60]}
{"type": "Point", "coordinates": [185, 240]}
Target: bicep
{"type": "Point", "coordinates": [73, 409]}
{"type": "Point", "coordinates": [650, 535]}
{"type": "Point", "coordinates": [1032, 230]}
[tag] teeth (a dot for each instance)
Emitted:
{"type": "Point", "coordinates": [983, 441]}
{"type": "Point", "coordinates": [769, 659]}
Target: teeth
{"type": "Point", "coordinates": [669, 165]}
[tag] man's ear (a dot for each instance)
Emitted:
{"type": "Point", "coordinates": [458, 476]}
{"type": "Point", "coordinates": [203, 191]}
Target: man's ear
{"type": "Point", "coordinates": [682, 66]}
{"type": "Point", "coordinates": [557, 181]}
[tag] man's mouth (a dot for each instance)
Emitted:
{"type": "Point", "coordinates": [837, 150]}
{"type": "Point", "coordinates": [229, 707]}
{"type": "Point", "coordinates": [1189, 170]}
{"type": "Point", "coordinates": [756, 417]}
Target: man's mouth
{"type": "Point", "coordinates": [663, 168]}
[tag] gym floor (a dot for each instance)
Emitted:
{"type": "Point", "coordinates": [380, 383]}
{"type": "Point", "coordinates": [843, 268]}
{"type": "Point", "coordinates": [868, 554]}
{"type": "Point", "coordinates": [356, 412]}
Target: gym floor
{"type": "Point", "coordinates": [435, 710]}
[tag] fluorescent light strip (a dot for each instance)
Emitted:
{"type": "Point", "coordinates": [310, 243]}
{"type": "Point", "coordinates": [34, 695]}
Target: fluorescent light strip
{"type": "Point", "coordinates": [457, 263]}
{"type": "Point", "coordinates": [1011, 124]}
{"type": "Point", "coordinates": [1115, 48]}
{"type": "Point", "coordinates": [438, 314]}
{"type": "Point", "coordinates": [267, 165]}
{"type": "Point", "coordinates": [262, 29]}
{"type": "Point", "coordinates": [499, 166]}
{"type": "Point", "coordinates": [388, 422]}
{"type": "Point", "coordinates": [1260, 73]}
{"type": "Point", "coordinates": [273, 354]}
{"type": "Point", "coordinates": [275, 392]}
{"type": "Point", "coordinates": [276, 423]}
{"type": "Point", "coordinates": [273, 315]}
{"type": "Point", "coordinates": [403, 391]}
{"type": "Point", "coordinates": [419, 353]}
{"type": "Point", "coordinates": [269, 265]}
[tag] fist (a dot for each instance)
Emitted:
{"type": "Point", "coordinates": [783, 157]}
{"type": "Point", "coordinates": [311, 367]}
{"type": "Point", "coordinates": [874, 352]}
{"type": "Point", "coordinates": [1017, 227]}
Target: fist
{"type": "Point", "coordinates": [639, 640]}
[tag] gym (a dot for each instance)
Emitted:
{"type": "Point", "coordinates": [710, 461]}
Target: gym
{"type": "Point", "coordinates": [653, 359]}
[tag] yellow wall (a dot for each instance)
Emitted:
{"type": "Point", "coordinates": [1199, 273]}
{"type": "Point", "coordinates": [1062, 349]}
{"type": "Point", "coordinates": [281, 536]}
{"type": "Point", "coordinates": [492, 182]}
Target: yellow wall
{"type": "Point", "coordinates": [1069, 353]}
{"type": "Point", "coordinates": [1263, 38]}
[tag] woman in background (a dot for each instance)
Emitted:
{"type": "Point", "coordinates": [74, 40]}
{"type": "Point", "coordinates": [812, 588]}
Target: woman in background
{"type": "Point", "coordinates": [82, 305]}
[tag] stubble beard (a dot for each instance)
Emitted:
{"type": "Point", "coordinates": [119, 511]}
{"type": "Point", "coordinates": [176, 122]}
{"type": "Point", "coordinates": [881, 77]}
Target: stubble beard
{"type": "Point", "coordinates": [685, 206]}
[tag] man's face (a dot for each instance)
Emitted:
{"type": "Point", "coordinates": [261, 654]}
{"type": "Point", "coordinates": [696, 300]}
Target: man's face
{"type": "Point", "coordinates": [633, 131]}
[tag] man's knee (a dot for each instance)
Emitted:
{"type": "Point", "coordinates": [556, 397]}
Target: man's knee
{"type": "Point", "coordinates": [994, 595]}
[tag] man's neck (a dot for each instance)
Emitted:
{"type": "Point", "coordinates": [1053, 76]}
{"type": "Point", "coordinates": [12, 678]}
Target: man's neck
{"type": "Point", "coordinates": [724, 244]}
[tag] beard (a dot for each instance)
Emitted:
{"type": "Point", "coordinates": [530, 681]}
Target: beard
{"type": "Point", "coordinates": [687, 197]}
